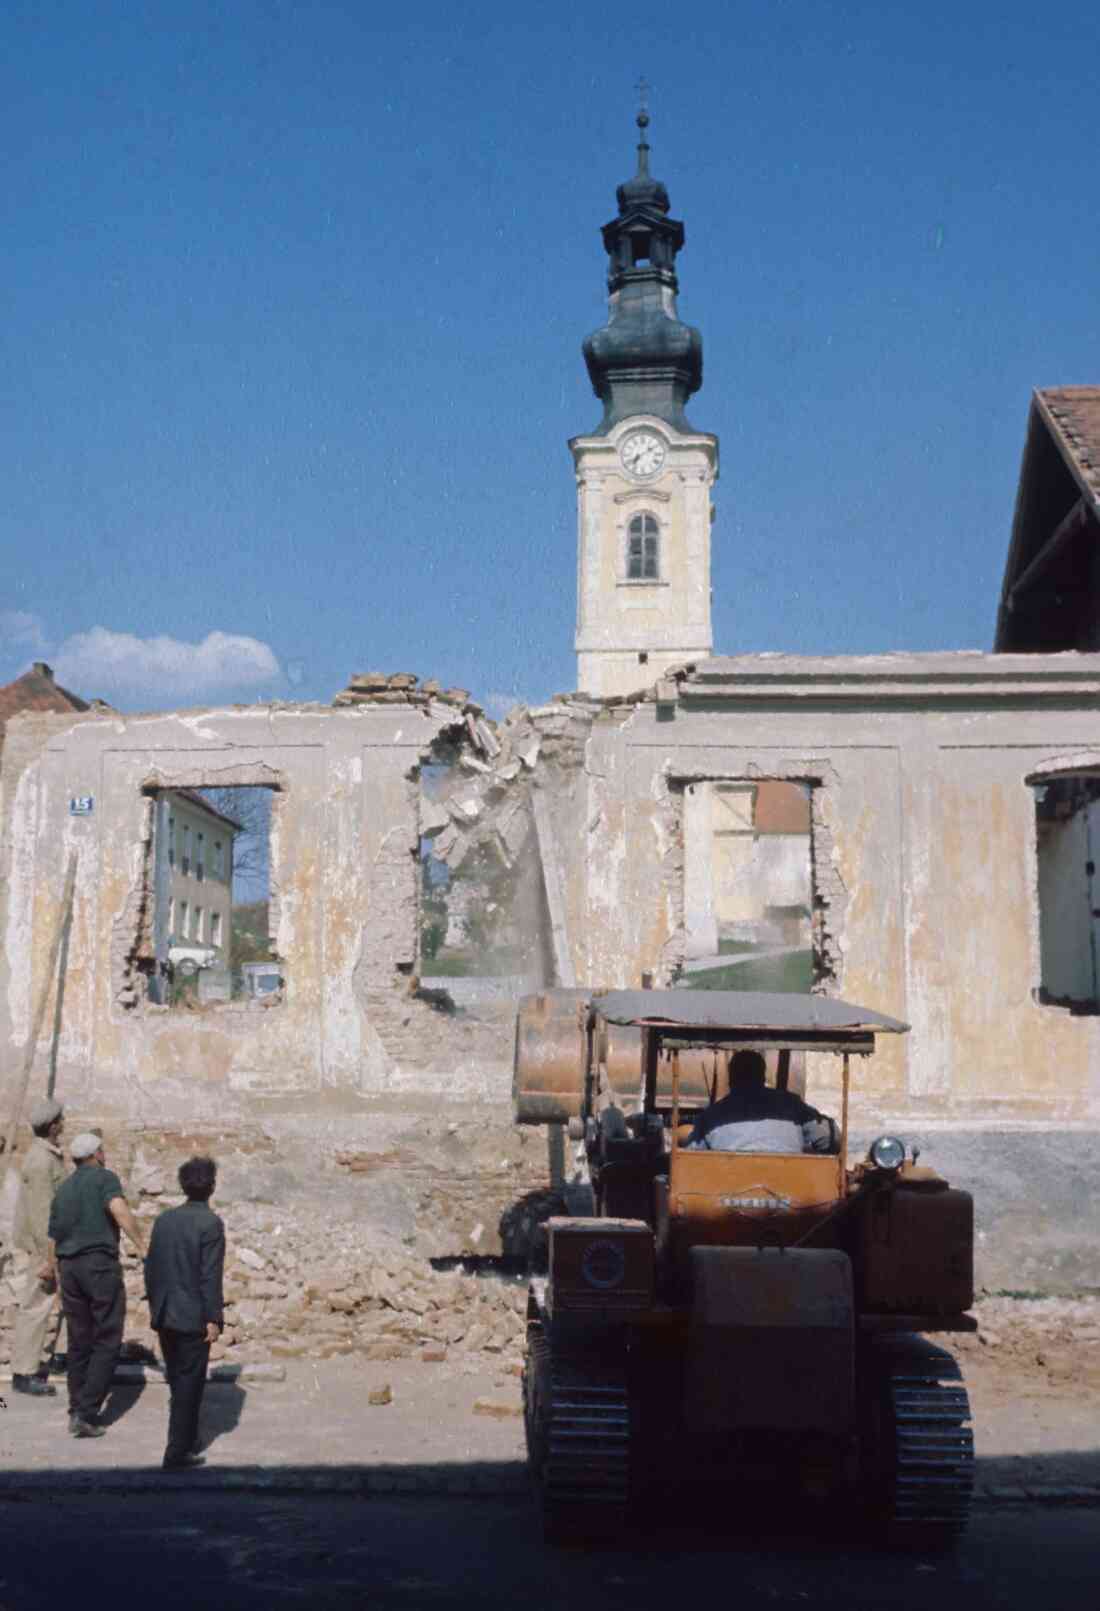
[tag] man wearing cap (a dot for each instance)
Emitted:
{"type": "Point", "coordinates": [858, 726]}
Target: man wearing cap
{"type": "Point", "coordinates": [87, 1214]}
{"type": "Point", "coordinates": [38, 1320]}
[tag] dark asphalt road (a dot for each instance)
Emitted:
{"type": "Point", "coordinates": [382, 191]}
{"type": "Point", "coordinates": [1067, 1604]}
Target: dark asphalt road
{"type": "Point", "coordinates": [164, 1552]}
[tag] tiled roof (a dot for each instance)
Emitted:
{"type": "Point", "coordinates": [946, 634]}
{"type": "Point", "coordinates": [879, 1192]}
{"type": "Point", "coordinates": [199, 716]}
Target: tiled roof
{"type": "Point", "coordinates": [1073, 413]}
{"type": "Point", "coordinates": [36, 690]}
{"type": "Point", "coordinates": [1049, 592]}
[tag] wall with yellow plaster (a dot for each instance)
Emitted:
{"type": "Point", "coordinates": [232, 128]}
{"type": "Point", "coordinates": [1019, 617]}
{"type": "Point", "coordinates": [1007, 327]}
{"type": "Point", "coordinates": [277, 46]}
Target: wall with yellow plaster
{"type": "Point", "coordinates": [924, 857]}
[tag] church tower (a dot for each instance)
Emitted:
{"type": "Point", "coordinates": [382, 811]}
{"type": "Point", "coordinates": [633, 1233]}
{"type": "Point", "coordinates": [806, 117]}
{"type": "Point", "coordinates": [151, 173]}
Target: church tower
{"type": "Point", "coordinates": [644, 476]}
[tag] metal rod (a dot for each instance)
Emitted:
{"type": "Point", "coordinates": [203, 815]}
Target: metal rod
{"type": "Point", "coordinates": [783, 1070]}
{"type": "Point", "coordinates": [651, 1041]}
{"type": "Point", "coordinates": [844, 1121]}
{"type": "Point", "coordinates": [675, 1096]}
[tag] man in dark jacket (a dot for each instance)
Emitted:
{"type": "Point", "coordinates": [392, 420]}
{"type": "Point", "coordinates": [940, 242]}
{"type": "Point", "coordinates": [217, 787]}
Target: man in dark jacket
{"type": "Point", "coordinates": [183, 1282]}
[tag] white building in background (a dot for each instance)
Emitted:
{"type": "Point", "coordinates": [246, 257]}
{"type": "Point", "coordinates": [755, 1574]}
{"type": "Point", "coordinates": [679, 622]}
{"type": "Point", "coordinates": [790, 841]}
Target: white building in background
{"type": "Point", "coordinates": [200, 878]}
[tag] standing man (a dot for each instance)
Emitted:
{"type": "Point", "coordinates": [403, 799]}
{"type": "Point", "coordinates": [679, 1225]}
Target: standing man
{"type": "Point", "coordinates": [183, 1282]}
{"type": "Point", "coordinates": [87, 1214]}
{"type": "Point", "coordinates": [38, 1320]}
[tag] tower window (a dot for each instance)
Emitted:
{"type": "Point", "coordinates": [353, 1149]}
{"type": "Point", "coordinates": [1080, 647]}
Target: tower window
{"type": "Point", "coordinates": [642, 549]}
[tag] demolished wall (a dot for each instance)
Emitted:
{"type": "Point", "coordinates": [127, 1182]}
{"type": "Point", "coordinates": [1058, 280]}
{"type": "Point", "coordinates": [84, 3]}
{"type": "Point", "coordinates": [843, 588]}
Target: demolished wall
{"type": "Point", "coordinates": [925, 905]}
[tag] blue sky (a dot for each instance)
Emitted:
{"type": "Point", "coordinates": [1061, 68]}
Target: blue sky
{"type": "Point", "coordinates": [293, 297]}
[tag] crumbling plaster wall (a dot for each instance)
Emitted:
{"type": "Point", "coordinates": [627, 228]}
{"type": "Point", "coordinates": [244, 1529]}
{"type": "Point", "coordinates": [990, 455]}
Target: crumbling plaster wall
{"type": "Point", "coordinates": [926, 906]}
{"type": "Point", "coordinates": [345, 896]}
{"type": "Point", "coordinates": [923, 851]}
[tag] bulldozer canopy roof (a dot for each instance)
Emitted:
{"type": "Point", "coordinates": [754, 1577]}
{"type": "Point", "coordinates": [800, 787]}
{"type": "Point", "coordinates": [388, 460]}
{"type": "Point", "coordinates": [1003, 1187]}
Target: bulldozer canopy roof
{"type": "Point", "coordinates": [770, 1013]}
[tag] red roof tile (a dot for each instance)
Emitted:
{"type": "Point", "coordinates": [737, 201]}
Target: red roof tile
{"type": "Point", "coordinates": [36, 690]}
{"type": "Point", "coordinates": [1074, 416]}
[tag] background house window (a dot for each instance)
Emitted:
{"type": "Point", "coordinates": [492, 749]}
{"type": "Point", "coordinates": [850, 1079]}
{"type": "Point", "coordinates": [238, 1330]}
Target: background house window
{"type": "Point", "coordinates": [642, 549]}
{"type": "Point", "coordinates": [221, 839]}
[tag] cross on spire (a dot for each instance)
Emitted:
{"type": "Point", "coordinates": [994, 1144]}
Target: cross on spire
{"type": "Point", "coordinates": [642, 121]}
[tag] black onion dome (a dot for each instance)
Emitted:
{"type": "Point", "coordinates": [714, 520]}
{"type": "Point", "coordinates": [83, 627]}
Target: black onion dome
{"type": "Point", "coordinates": [649, 339]}
{"type": "Point", "coordinates": [644, 360]}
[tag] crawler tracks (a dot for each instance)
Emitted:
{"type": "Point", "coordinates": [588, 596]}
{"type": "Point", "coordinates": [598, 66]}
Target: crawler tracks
{"type": "Point", "coordinates": [917, 1455]}
{"type": "Point", "coordinates": [577, 1416]}
{"type": "Point", "coordinates": [922, 1467]}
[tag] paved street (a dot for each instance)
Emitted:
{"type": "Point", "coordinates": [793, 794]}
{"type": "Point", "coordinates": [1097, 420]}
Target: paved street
{"type": "Point", "coordinates": [314, 1497]}
{"type": "Point", "coordinates": [243, 1551]}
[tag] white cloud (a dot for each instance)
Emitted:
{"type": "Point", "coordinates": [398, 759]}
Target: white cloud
{"type": "Point", "coordinates": [105, 662]}
{"type": "Point", "coordinates": [20, 629]}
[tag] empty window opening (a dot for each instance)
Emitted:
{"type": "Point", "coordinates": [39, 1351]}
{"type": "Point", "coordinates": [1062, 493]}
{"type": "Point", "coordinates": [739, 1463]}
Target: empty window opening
{"type": "Point", "coordinates": [748, 886]}
{"type": "Point", "coordinates": [484, 931]}
{"type": "Point", "coordinates": [209, 914]}
{"type": "Point", "coordinates": [643, 549]}
{"type": "Point", "coordinates": [1067, 840]}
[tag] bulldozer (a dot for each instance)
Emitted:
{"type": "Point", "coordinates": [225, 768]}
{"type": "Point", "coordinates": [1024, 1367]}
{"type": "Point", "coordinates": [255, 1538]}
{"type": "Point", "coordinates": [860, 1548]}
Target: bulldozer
{"type": "Point", "coordinates": [739, 1303]}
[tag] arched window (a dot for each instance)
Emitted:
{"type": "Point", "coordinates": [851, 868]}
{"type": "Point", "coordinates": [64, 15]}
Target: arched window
{"type": "Point", "coordinates": [642, 549]}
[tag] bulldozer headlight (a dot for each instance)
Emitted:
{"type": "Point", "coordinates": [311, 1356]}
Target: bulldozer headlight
{"type": "Point", "coordinates": [887, 1152]}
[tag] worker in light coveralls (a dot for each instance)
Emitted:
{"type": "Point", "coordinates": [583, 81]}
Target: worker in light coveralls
{"type": "Point", "coordinates": [38, 1319]}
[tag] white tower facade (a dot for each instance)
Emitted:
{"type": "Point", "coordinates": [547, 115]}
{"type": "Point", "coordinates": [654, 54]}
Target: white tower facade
{"type": "Point", "coordinates": [644, 515]}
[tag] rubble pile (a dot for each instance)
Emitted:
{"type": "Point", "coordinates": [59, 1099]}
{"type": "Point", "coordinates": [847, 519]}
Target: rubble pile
{"type": "Point", "coordinates": [285, 1304]}
{"type": "Point", "coordinates": [289, 1300]}
{"type": "Point", "coordinates": [345, 1267]}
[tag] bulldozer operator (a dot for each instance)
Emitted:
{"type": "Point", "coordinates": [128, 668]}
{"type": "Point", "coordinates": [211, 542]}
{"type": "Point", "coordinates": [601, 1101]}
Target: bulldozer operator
{"type": "Point", "coordinates": [754, 1117]}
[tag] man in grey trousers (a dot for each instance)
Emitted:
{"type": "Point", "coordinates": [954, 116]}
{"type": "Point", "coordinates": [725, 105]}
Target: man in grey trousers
{"type": "Point", "coordinates": [88, 1211]}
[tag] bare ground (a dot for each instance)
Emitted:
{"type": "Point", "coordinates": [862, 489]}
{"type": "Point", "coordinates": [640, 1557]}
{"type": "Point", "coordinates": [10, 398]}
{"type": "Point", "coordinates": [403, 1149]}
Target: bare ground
{"type": "Point", "coordinates": [1032, 1369]}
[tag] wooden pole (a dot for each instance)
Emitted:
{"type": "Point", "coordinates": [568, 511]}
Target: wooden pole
{"type": "Point", "coordinates": [43, 1002]}
{"type": "Point", "coordinates": [59, 995]}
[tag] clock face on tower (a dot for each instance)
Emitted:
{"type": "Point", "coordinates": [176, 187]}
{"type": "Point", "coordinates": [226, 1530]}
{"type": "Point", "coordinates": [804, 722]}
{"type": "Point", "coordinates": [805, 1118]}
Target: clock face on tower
{"type": "Point", "coordinates": [642, 453]}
